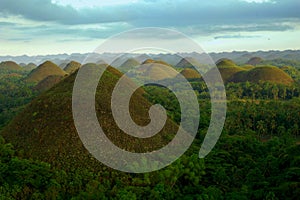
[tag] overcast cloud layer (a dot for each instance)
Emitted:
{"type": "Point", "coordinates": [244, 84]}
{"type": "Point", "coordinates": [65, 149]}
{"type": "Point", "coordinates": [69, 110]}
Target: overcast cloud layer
{"type": "Point", "coordinates": [63, 21]}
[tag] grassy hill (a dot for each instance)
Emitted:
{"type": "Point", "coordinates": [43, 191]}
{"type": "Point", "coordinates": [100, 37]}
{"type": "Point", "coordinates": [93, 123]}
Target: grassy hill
{"type": "Point", "coordinates": [187, 62]}
{"type": "Point", "coordinates": [72, 66]}
{"type": "Point", "coordinates": [30, 67]}
{"type": "Point", "coordinates": [255, 61]}
{"type": "Point", "coordinates": [44, 70]}
{"type": "Point", "coordinates": [228, 68]}
{"type": "Point", "coordinates": [48, 82]}
{"type": "Point", "coordinates": [45, 129]}
{"type": "Point", "coordinates": [10, 66]}
{"type": "Point", "coordinates": [263, 74]}
{"type": "Point", "coordinates": [149, 61]}
{"type": "Point", "coordinates": [190, 73]}
{"type": "Point", "coordinates": [155, 71]}
{"type": "Point", "coordinates": [224, 62]}
{"type": "Point", "coordinates": [128, 64]}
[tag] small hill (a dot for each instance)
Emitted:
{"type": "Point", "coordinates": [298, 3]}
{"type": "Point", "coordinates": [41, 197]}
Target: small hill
{"type": "Point", "coordinates": [228, 68]}
{"type": "Point", "coordinates": [72, 66]}
{"type": "Point", "coordinates": [188, 62]}
{"type": "Point", "coordinates": [255, 61]}
{"type": "Point", "coordinates": [189, 73]}
{"type": "Point", "coordinates": [48, 83]}
{"type": "Point", "coordinates": [155, 71]}
{"type": "Point", "coordinates": [22, 64]}
{"type": "Point", "coordinates": [10, 66]}
{"type": "Point", "coordinates": [45, 129]}
{"type": "Point", "coordinates": [149, 61]}
{"type": "Point", "coordinates": [44, 70]}
{"type": "Point", "coordinates": [263, 74]}
{"type": "Point", "coordinates": [224, 62]}
{"type": "Point", "coordinates": [30, 67]}
{"type": "Point", "coordinates": [129, 64]}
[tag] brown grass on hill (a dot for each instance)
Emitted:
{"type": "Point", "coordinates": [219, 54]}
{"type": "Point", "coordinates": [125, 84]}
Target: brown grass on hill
{"type": "Point", "coordinates": [72, 66]}
{"type": "Point", "coordinates": [190, 73]}
{"type": "Point", "coordinates": [263, 74]}
{"type": "Point", "coordinates": [10, 65]}
{"type": "Point", "coordinates": [44, 70]}
{"type": "Point", "coordinates": [48, 82]}
{"type": "Point", "coordinates": [45, 129]}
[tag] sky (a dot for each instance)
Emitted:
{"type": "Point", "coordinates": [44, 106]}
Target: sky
{"type": "Point", "coordinates": [40, 27]}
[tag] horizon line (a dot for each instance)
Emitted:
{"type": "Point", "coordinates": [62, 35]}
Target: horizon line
{"type": "Point", "coordinates": [212, 52]}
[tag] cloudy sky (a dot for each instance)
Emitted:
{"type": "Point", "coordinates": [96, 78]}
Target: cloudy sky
{"type": "Point", "coordinates": [38, 27]}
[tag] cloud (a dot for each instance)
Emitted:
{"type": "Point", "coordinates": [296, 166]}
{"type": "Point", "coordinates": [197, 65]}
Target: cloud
{"type": "Point", "coordinates": [154, 13]}
{"type": "Point", "coordinates": [259, 1]}
{"type": "Point", "coordinates": [7, 24]}
{"type": "Point", "coordinates": [236, 36]}
{"type": "Point", "coordinates": [65, 22]}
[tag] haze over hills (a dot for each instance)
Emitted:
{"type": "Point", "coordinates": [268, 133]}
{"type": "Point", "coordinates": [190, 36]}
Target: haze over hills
{"type": "Point", "coordinates": [237, 56]}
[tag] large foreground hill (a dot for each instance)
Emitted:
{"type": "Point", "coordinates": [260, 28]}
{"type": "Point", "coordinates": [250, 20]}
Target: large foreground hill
{"type": "Point", "coordinates": [45, 129]}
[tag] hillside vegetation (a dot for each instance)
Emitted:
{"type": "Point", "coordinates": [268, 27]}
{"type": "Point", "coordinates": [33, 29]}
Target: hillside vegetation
{"type": "Point", "coordinates": [46, 131]}
{"type": "Point", "coordinates": [43, 71]}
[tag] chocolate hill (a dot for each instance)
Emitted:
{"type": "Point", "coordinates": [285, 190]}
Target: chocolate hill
{"type": "Point", "coordinates": [10, 66]}
{"type": "Point", "coordinates": [72, 66]}
{"type": "Point", "coordinates": [44, 70]}
{"type": "Point", "coordinates": [263, 74]}
{"type": "Point", "coordinates": [45, 130]}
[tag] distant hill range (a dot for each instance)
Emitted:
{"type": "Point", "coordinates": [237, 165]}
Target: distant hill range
{"type": "Point", "coordinates": [239, 57]}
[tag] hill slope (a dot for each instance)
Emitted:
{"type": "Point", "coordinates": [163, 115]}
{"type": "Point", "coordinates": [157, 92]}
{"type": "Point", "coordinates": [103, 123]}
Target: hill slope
{"type": "Point", "coordinates": [155, 71]}
{"type": "Point", "coordinates": [30, 66]}
{"type": "Point", "coordinates": [188, 62]}
{"type": "Point", "coordinates": [190, 73]}
{"type": "Point", "coordinates": [45, 129]}
{"type": "Point", "coordinates": [128, 64]}
{"type": "Point", "coordinates": [72, 66]}
{"type": "Point", "coordinates": [48, 82]}
{"type": "Point", "coordinates": [44, 70]}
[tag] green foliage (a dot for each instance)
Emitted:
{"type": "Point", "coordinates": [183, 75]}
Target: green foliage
{"type": "Point", "coordinates": [14, 94]}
